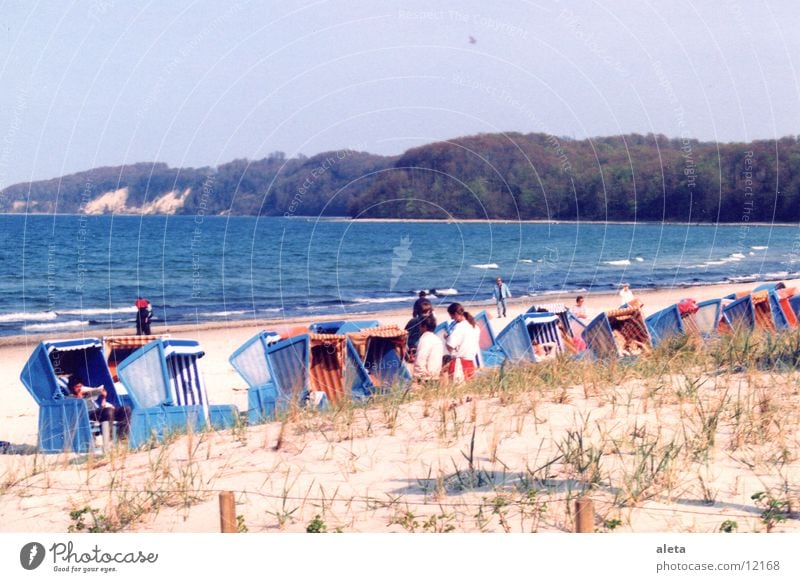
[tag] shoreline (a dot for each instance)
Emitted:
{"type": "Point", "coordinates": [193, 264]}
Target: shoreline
{"type": "Point", "coordinates": [384, 450]}
{"type": "Point", "coordinates": [438, 220]}
{"type": "Point", "coordinates": [704, 291]}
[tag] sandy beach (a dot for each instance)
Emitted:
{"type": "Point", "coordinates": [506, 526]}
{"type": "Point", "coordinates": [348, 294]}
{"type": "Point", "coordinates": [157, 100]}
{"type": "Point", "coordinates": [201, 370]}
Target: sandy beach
{"type": "Point", "coordinates": [454, 460]}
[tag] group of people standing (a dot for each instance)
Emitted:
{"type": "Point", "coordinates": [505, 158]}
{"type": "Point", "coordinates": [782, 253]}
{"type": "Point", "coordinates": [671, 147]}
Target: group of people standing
{"type": "Point", "coordinates": [455, 352]}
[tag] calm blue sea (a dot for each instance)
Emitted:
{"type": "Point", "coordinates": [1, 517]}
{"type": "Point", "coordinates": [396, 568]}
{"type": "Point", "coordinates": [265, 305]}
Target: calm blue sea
{"type": "Point", "coordinates": [66, 273]}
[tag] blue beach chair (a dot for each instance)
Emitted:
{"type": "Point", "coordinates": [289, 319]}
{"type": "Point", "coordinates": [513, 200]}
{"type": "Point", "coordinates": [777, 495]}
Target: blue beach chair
{"type": "Point", "coordinates": [517, 338]}
{"type": "Point", "coordinates": [382, 351]}
{"type": "Point", "coordinates": [250, 361]}
{"type": "Point", "coordinates": [303, 366]}
{"type": "Point", "coordinates": [739, 315]}
{"type": "Point", "coordinates": [665, 324]}
{"type": "Point", "coordinates": [64, 423]}
{"type": "Point", "coordinates": [168, 392]}
{"type": "Point", "coordinates": [628, 321]}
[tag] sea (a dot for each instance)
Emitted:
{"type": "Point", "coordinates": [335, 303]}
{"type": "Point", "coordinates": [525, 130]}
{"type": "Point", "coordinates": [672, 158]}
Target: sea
{"type": "Point", "coordinates": [65, 273]}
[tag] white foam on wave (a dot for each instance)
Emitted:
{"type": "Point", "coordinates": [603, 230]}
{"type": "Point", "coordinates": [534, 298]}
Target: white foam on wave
{"type": "Point", "coordinates": [224, 313]}
{"type": "Point", "coordinates": [98, 311]}
{"type": "Point", "coordinates": [738, 256]}
{"type": "Point", "coordinates": [60, 325]}
{"type": "Point", "coordinates": [444, 292]}
{"type": "Point", "coordinates": [527, 261]}
{"type": "Point", "coordinates": [639, 259]}
{"type": "Point", "coordinates": [743, 279]}
{"type": "Point", "coordinates": [757, 248]}
{"type": "Point", "coordinates": [29, 316]}
{"type": "Point", "coordinates": [381, 299]}
{"type": "Point", "coordinates": [777, 275]}
{"type": "Point", "coordinates": [486, 266]}
{"type": "Point", "coordinates": [618, 263]}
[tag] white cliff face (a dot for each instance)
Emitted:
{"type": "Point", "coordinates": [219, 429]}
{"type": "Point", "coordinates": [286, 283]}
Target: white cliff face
{"type": "Point", "coordinates": [115, 202]}
{"type": "Point", "coordinates": [108, 203]}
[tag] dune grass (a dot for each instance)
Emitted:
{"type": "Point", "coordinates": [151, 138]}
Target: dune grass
{"type": "Point", "coordinates": [694, 436]}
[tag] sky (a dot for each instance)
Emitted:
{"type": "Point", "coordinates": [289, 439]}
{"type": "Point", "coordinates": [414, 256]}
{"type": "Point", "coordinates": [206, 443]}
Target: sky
{"type": "Point", "coordinates": [107, 82]}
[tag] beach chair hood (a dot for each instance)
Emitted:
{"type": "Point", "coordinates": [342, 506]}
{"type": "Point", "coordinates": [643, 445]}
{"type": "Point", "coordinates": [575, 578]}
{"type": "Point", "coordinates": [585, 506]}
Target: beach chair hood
{"type": "Point", "coordinates": [51, 361]}
{"type": "Point", "coordinates": [164, 372]}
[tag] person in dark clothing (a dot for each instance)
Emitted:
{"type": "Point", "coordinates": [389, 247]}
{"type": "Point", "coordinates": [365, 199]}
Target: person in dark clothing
{"type": "Point", "coordinates": [99, 409]}
{"type": "Point", "coordinates": [144, 314]}
{"type": "Point", "coordinates": [417, 309]}
{"type": "Point", "coordinates": [415, 330]}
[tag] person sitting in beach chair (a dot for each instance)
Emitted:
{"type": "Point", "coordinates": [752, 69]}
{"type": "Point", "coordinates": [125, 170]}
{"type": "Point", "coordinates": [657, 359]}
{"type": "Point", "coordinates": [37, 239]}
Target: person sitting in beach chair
{"type": "Point", "coordinates": [99, 410]}
{"type": "Point", "coordinates": [545, 350]}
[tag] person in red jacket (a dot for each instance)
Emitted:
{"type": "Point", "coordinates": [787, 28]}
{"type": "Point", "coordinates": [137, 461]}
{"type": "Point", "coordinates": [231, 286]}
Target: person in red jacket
{"type": "Point", "coordinates": [144, 314]}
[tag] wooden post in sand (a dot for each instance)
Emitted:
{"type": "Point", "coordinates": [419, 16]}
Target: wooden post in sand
{"type": "Point", "coordinates": [227, 512]}
{"type": "Point", "coordinates": [584, 515]}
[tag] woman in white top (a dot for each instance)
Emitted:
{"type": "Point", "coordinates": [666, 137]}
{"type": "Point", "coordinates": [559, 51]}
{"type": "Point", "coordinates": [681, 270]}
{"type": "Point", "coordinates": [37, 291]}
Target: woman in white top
{"type": "Point", "coordinates": [463, 342]}
{"type": "Point", "coordinates": [430, 350]}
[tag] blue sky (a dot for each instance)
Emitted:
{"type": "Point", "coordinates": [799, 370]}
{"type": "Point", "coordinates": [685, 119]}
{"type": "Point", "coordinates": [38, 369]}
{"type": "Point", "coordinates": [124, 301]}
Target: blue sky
{"type": "Point", "coordinates": [107, 82]}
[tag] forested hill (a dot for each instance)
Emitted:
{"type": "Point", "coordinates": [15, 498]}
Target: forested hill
{"type": "Point", "coordinates": [499, 176]}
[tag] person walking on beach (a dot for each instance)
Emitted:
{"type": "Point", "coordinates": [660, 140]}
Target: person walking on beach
{"type": "Point", "coordinates": [430, 351]}
{"type": "Point", "coordinates": [144, 314]}
{"type": "Point", "coordinates": [463, 342]}
{"type": "Point", "coordinates": [501, 293]}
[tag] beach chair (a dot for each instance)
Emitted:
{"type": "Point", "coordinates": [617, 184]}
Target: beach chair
{"type": "Point", "coordinates": [517, 338]}
{"type": "Point", "coordinates": [306, 367]}
{"type": "Point", "coordinates": [766, 318]}
{"type": "Point", "coordinates": [164, 381]}
{"type": "Point", "coordinates": [784, 298]}
{"type": "Point", "coordinates": [355, 326]}
{"type": "Point", "coordinates": [599, 339]}
{"type": "Point", "coordinates": [490, 355]}
{"type": "Point", "coordinates": [341, 327]}
{"type": "Point", "coordinates": [779, 319]}
{"type": "Point", "coordinates": [382, 350]}
{"type": "Point", "coordinates": [250, 361]}
{"type": "Point", "coordinates": [738, 316]}
{"type": "Point", "coordinates": [682, 319]}
{"type": "Point", "coordinates": [559, 309]}
{"type": "Point", "coordinates": [630, 325]}
{"type": "Point", "coordinates": [794, 305]}
{"type": "Point", "coordinates": [119, 347]}
{"type": "Point", "coordinates": [64, 423]}
{"type": "Point", "coordinates": [665, 324]}
{"type": "Point", "coordinates": [706, 320]}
